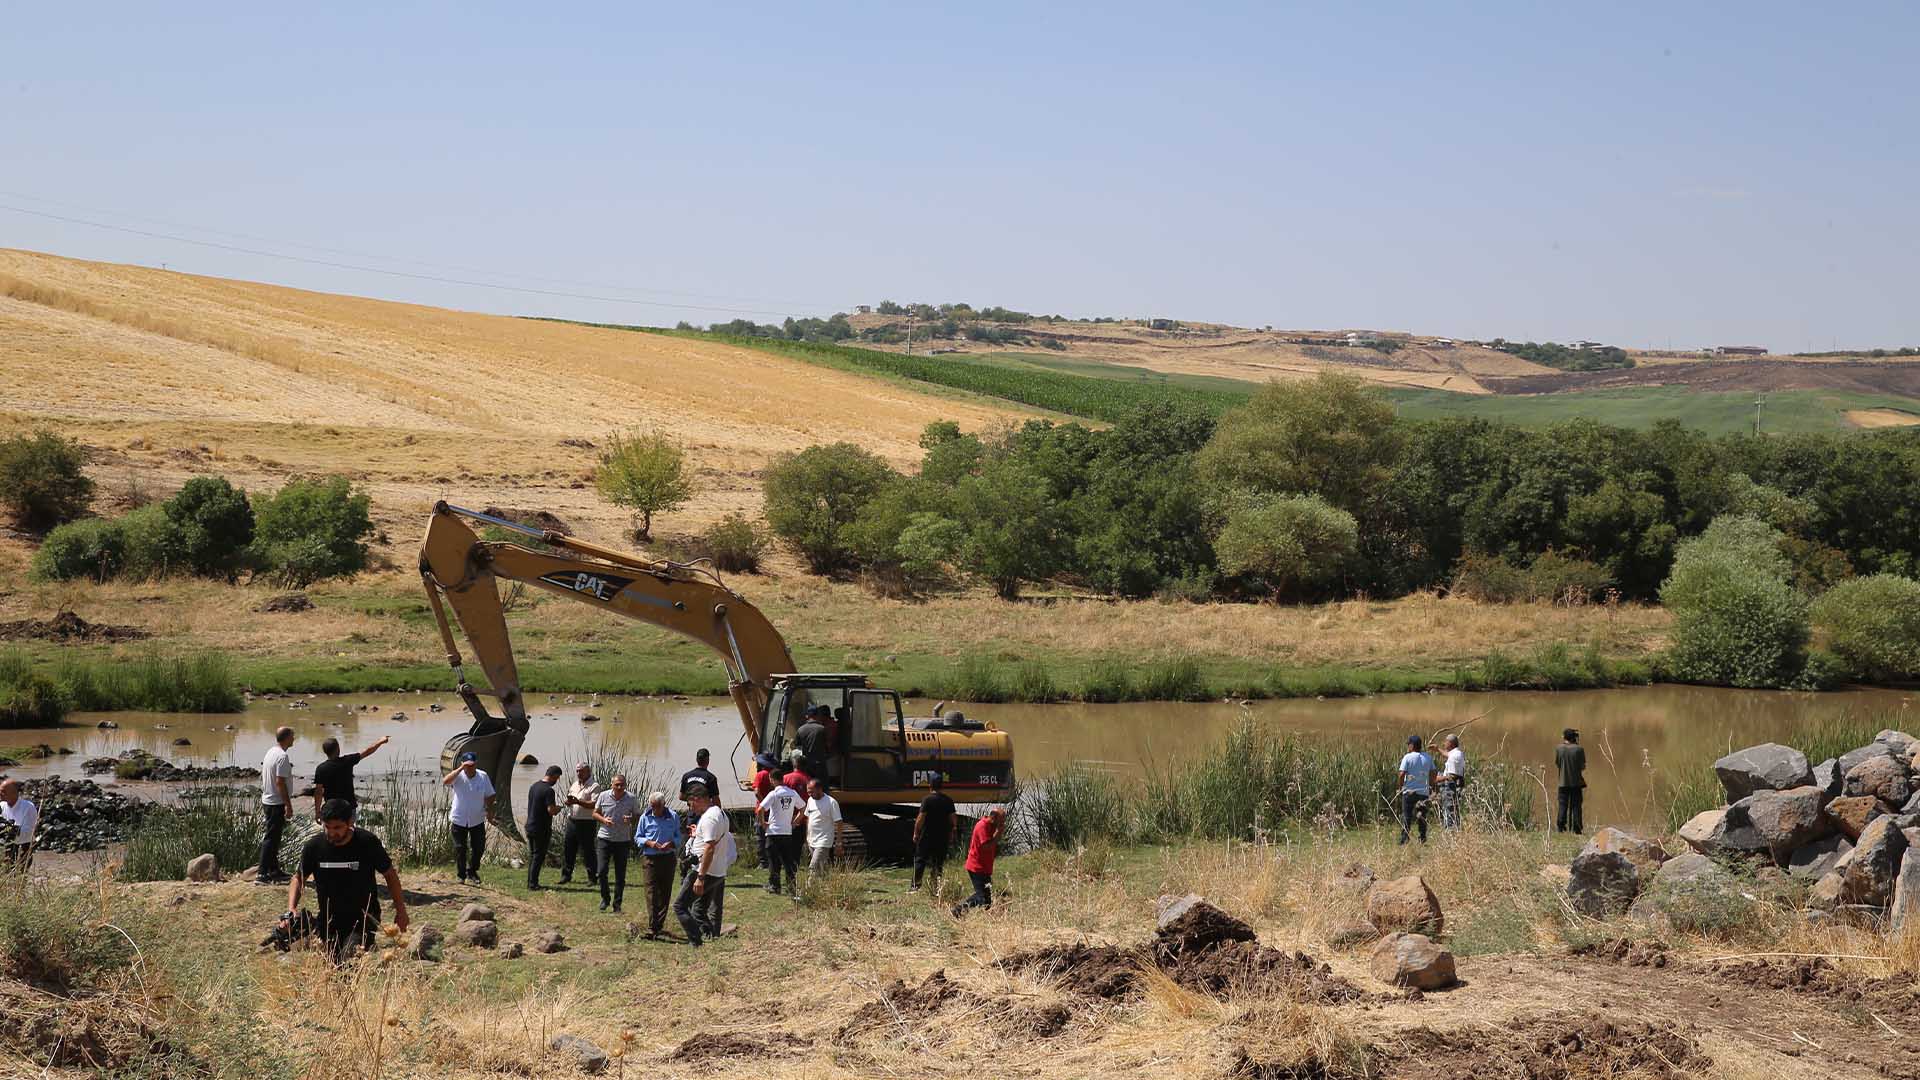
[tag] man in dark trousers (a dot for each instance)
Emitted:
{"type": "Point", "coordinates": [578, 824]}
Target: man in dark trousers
{"type": "Point", "coordinates": [1571, 759]}
{"type": "Point", "coordinates": [581, 828]}
{"type": "Point", "coordinates": [333, 778]}
{"type": "Point", "coordinates": [981, 850]}
{"type": "Point", "coordinates": [811, 741]}
{"type": "Point", "coordinates": [342, 861]}
{"type": "Point", "coordinates": [542, 806]}
{"type": "Point", "coordinates": [699, 774]}
{"type": "Point", "coordinates": [935, 829]}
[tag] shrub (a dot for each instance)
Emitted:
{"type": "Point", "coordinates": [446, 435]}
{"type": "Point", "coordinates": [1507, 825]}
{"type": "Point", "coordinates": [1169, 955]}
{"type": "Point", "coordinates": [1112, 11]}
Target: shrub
{"type": "Point", "coordinates": [813, 497]}
{"type": "Point", "coordinates": [977, 679]}
{"type": "Point", "coordinates": [92, 548]}
{"type": "Point", "coordinates": [216, 522]}
{"type": "Point", "coordinates": [1736, 620]}
{"type": "Point", "coordinates": [1286, 542]}
{"type": "Point", "coordinates": [313, 528]}
{"type": "Point", "coordinates": [1107, 681]}
{"type": "Point", "coordinates": [43, 479]}
{"type": "Point", "coordinates": [205, 821]}
{"type": "Point", "coordinates": [1873, 625]}
{"type": "Point", "coordinates": [156, 545]}
{"type": "Point", "coordinates": [1076, 804]}
{"type": "Point", "coordinates": [1034, 682]}
{"type": "Point", "coordinates": [27, 697]}
{"type": "Point", "coordinates": [735, 544]}
{"type": "Point", "coordinates": [1552, 577]}
{"type": "Point", "coordinates": [1171, 680]}
{"type": "Point", "coordinates": [153, 681]}
{"type": "Point", "coordinates": [646, 472]}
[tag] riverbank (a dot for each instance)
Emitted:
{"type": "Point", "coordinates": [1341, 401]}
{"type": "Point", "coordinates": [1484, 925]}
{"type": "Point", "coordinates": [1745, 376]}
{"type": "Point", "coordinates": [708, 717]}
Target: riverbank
{"type": "Point", "coordinates": [375, 633]}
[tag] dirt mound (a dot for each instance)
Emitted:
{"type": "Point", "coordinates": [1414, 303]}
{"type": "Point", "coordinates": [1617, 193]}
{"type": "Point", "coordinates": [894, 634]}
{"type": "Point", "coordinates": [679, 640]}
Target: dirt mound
{"type": "Point", "coordinates": [67, 627]}
{"type": "Point", "coordinates": [1244, 968]}
{"type": "Point", "coordinates": [1555, 1046]}
{"type": "Point", "coordinates": [288, 603]}
{"type": "Point", "coordinates": [900, 1005]}
{"type": "Point", "coordinates": [1891, 997]}
{"type": "Point", "coordinates": [75, 1033]}
{"type": "Point", "coordinates": [1626, 951]}
{"type": "Point", "coordinates": [532, 519]}
{"type": "Point", "coordinates": [1200, 928]}
{"type": "Point", "coordinates": [735, 1044]}
{"type": "Point", "coordinates": [1101, 971]}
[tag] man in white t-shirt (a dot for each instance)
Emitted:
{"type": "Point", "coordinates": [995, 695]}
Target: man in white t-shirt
{"type": "Point", "coordinates": [276, 800]}
{"type": "Point", "coordinates": [1453, 776]}
{"type": "Point", "coordinates": [778, 814]}
{"type": "Point", "coordinates": [472, 798]}
{"type": "Point", "coordinates": [1416, 787]}
{"type": "Point", "coordinates": [23, 819]}
{"type": "Point", "coordinates": [823, 828]}
{"type": "Point", "coordinates": [703, 893]}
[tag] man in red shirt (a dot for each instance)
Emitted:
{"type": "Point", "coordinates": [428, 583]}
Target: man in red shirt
{"type": "Point", "coordinates": [798, 778]}
{"type": "Point", "coordinates": [980, 852]}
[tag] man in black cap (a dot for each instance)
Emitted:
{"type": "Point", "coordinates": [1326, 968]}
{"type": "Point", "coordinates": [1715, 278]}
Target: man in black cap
{"type": "Point", "coordinates": [1570, 758]}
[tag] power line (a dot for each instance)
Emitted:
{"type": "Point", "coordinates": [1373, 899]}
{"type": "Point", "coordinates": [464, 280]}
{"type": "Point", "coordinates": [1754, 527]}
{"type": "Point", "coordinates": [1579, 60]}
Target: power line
{"type": "Point", "coordinates": [391, 273]}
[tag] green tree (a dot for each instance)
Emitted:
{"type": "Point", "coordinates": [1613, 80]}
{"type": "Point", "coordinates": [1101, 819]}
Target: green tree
{"type": "Point", "coordinates": [1331, 435]}
{"type": "Point", "coordinates": [1736, 619]}
{"type": "Point", "coordinates": [89, 548]}
{"type": "Point", "coordinates": [217, 523]}
{"type": "Point", "coordinates": [814, 496]}
{"type": "Point", "coordinates": [1873, 624]}
{"type": "Point", "coordinates": [1286, 542]}
{"type": "Point", "coordinates": [646, 472]}
{"type": "Point", "coordinates": [156, 545]}
{"type": "Point", "coordinates": [1012, 526]}
{"type": "Point", "coordinates": [312, 528]}
{"type": "Point", "coordinates": [43, 479]}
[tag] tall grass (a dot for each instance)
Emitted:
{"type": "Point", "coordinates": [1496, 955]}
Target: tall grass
{"type": "Point", "coordinates": [643, 776]}
{"type": "Point", "coordinates": [152, 680]}
{"type": "Point", "coordinates": [207, 821]}
{"type": "Point", "coordinates": [28, 698]}
{"type": "Point", "coordinates": [1556, 666]}
{"type": "Point", "coordinates": [411, 815]}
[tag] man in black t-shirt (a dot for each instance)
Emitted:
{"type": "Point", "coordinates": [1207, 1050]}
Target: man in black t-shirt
{"type": "Point", "coordinates": [934, 830]}
{"type": "Point", "coordinates": [699, 774]}
{"type": "Point", "coordinates": [541, 808]}
{"type": "Point", "coordinates": [333, 778]}
{"type": "Point", "coordinates": [342, 861]}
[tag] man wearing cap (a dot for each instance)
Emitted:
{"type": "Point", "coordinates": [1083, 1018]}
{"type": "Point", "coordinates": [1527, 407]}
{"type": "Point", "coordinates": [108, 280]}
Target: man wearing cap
{"type": "Point", "coordinates": [618, 813]}
{"type": "Point", "coordinates": [703, 893]}
{"type": "Point", "coordinates": [699, 774]}
{"type": "Point", "coordinates": [541, 808]}
{"type": "Point", "coordinates": [580, 825]}
{"type": "Point", "coordinates": [659, 840]}
{"type": "Point", "coordinates": [472, 798]}
{"type": "Point", "coordinates": [1570, 760]}
{"type": "Point", "coordinates": [811, 741]}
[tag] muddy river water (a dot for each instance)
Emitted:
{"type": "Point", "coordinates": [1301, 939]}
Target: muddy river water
{"type": "Point", "coordinates": [1633, 735]}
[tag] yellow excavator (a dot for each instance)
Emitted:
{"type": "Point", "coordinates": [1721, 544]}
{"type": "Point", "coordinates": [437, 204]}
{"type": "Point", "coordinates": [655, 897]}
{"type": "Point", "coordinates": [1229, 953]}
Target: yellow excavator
{"type": "Point", "coordinates": [879, 763]}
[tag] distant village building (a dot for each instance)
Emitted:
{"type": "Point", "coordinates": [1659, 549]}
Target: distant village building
{"type": "Point", "coordinates": [864, 309]}
{"type": "Point", "coordinates": [1739, 350]}
{"type": "Point", "coordinates": [1586, 346]}
{"type": "Point", "coordinates": [1160, 324]}
{"type": "Point", "coordinates": [1362, 337]}
{"type": "Point", "coordinates": [1441, 343]}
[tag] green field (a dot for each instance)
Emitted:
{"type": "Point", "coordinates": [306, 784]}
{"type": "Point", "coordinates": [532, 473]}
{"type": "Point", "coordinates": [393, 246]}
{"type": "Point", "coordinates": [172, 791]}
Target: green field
{"type": "Point", "coordinates": [1717, 413]}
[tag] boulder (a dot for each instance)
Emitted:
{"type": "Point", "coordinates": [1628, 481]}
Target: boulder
{"type": "Point", "coordinates": [1861, 753]}
{"type": "Point", "coordinates": [550, 942]}
{"type": "Point", "coordinates": [425, 941]}
{"type": "Point", "coordinates": [1852, 813]}
{"type": "Point", "coordinates": [1699, 830]}
{"type": "Point", "coordinates": [1826, 892]}
{"type": "Point", "coordinates": [1168, 909]}
{"type": "Point", "coordinates": [203, 868]}
{"type": "Point", "coordinates": [478, 933]}
{"type": "Point", "coordinates": [1899, 742]}
{"type": "Point", "coordinates": [1604, 883]}
{"type": "Point", "coordinates": [1884, 778]}
{"type": "Point", "coordinates": [1737, 835]}
{"type": "Point", "coordinates": [1690, 892]}
{"type": "Point", "coordinates": [1405, 904]}
{"type": "Point", "coordinates": [1875, 863]}
{"type": "Point", "coordinates": [476, 912]}
{"type": "Point", "coordinates": [1816, 860]}
{"type": "Point", "coordinates": [1906, 890]}
{"type": "Point", "coordinates": [1786, 820]}
{"type": "Point", "coordinates": [1646, 855]}
{"type": "Point", "coordinates": [1829, 779]}
{"type": "Point", "coordinates": [589, 1057]}
{"type": "Point", "coordinates": [1346, 930]}
{"type": "Point", "coordinates": [1412, 960]}
{"type": "Point", "coordinates": [1767, 767]}
{"type": "Point", "coordinates": [513, 950]}
{"type": "Point", "coordinates": [1354, 882]}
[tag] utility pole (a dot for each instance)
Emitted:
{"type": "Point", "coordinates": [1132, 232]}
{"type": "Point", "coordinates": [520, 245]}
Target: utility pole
{"type": "Point", "coordinates": [1757, 403]}
{"type": "Point", "coordinates": [910, 316]}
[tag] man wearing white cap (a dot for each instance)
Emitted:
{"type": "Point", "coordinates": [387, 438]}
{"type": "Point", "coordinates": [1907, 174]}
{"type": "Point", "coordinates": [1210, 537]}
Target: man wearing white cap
{"type": "Point", "coordinates": [472, 798]}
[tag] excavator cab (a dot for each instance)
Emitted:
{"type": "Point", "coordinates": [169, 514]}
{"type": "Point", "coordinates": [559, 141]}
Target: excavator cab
{"type": "Point", "coordinates": [867, 744]}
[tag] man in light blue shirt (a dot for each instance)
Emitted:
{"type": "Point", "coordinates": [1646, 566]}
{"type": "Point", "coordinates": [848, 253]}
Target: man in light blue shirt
{"type": "Point", "coordinates": [658, 838]}
{"type": "Point", "coordinates": [1416, 786]}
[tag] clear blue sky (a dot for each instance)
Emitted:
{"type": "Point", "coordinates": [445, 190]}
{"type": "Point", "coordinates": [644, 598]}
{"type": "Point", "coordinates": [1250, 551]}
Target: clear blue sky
{"type": "Point", "coordinates": [1656, 173]}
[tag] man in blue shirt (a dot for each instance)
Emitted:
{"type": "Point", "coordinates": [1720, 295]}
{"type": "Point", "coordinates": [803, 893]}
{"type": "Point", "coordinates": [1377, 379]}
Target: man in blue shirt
{"type": "Point", "coordinates": [1416, 786]}
{"type": "Point", "coordinates": [658, 838]}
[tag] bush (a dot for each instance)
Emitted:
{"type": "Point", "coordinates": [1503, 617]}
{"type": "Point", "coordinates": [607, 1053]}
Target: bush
{"type": "Point", "coordinates": [1736, 620]}
{"type": "Point", "coordinates": [1286, 542]}
{"type": "Point", "coordinates": [92, 548]}
{"type": "Point", "coordinates": [735, 544]}
{"type": "Point", "coordinates": [156, 545]}
{"type": "Point", "coordinates": [313, 528]}
{"type": "Point", "coordinates": [1076, 804]}
{"type": "Point", "coordinates": [813, 497]}
{"type": "Point", "coordinates": [1873, 625]}
{"type": "Point", "coordinates": [1033, 682]}
{"type": "Point", "coordinates": [205, 821]}
{"type": "Point", "coordinates": [1553, 577]}
{"type": "Point", "coordinates": [43, 479]}
{"type": "Point", "coordinates": [27, 697]}
{"type": "Point", "coordinates": [1107, 681]}
{"type": "Point", "coordinates": [1171, 680]}
{"type": "Point", "coordinates": [645, 472]}
{"type": "Point", "coordinates": [216, 523]}
{"type": "Point", "coordinates": [153, 681]}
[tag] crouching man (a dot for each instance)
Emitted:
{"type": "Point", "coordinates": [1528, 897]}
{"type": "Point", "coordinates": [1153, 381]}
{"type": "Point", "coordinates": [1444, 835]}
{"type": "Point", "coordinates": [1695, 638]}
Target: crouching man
{"type": "Point", "coordinates": [342, 861]}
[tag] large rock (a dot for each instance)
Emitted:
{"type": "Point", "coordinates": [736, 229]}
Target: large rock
{"type": "Point", "coordinates": [1906, 890]}
{"type": "Point", "coordinates": [1701, 828]}
{"type": "Point", "coordinates": [1405, 904]}
{"type": "Point", "coordinates": [1344, 930]}
{"type": "Point", "coordinates": [1646, 855]}
{"type": "Point", "coordinates": [1829, 779]}
{"type": "Point", "coordinates": [478, 933]}
{"type": "Point", "coordinates": [1168, 909]}
{"type": "Point", "coordinates": [1884, 778]}
{"type": "Point", "coordinates": [1852, 813]}
{"type": "Point", "coordinates": [1901, 743]}
{"type": "Point", "coordinates": [1785, 820]}
{"type": "Point", "coordinates": [1818, 859]}
{"type": "Point", "coordinates": [1767, 767]}
{"type": "Point", "coordinates": [550, 942]}
{"type": "Point", "coordinates": [1827, 892]}
{"type": "Point", "coordinates": [203, 868]}
{"type": "Point", "coordinates": [1690, 892]}
{"type": "Point", "coordinates": [589, 1057]}
{"type": "Point", "coordinates": [1604, 883]}
{"type": "Point", "coordinates": [1854, 757]}
{"type": "Point", "coordinates": [476, 912]}
{"type": "Point", "coordinates": [1875, 863]}
{"type": "Point", "coordinates": [1354, 882]}
{"type": "Point", "coordinates": [1737, 834]}
{"type": "Point", "coordinates": [1412, 960]}
{"type": "Point", "coordinates": [425, 941]}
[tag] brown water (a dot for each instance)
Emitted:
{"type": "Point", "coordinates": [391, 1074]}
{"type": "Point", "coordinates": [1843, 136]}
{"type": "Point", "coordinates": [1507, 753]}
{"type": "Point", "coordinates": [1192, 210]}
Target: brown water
{"type": "Point", "coordinates": [1632, 735]}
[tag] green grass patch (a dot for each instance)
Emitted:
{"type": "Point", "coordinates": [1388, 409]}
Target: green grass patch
{"type": "Point", "coordinates": [39, 691]}
{"type": "Point", "coordinates": [1714, 412]}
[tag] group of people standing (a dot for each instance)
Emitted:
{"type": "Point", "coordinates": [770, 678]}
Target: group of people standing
{"type": "Point", "coordinates": [1421, 780]}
